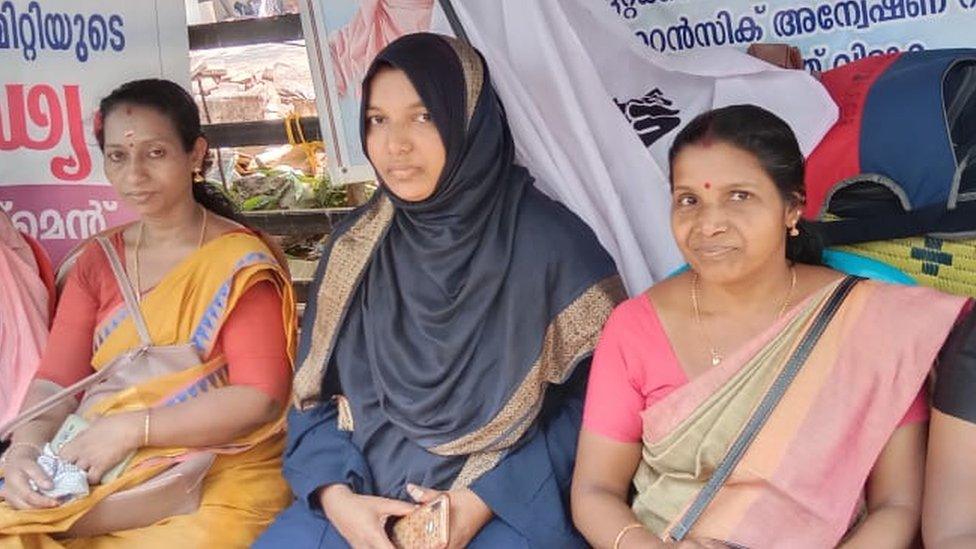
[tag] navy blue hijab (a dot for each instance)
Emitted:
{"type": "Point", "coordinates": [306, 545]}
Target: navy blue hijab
{"type": "Point", "coordinates": [453, 308]}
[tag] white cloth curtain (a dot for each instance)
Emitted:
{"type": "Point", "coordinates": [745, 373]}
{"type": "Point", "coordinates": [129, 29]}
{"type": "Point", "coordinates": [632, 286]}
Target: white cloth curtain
{"type": "Point", "coordinates": [566, 70]}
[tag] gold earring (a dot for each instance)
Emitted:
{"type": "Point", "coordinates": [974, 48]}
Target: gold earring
{"type": "Point", "coordinates": [198, 176]}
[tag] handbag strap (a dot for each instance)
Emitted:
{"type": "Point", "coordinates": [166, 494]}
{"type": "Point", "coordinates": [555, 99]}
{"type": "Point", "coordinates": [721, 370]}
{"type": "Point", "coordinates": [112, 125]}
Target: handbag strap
{"type": "Point", "coordinates": [132, 304]}
{"type": "Point", "coordinates": [63, 395]}
{"type": "Point", "coordinates": [765, 409]}
{"type": "Point", "coordinates": [128, 292]}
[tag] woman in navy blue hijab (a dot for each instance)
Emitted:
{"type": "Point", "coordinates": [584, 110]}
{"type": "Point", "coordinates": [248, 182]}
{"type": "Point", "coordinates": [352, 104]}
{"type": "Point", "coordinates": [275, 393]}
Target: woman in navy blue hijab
{"type": "Point", "coordinates": [447, 342]}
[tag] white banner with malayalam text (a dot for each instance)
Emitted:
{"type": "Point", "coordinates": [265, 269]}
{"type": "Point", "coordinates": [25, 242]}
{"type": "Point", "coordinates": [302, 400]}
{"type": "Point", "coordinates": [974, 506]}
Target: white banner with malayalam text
{"type": "Point", "coordinates": [594, 114]}
{"type": "Point", "coordinates": [829, 33]}
{"type": "Point", "coordinates": [58, 59]}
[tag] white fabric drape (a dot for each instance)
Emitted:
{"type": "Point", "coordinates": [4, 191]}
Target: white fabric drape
{"type": "Point", "coordinates": [567, 70]}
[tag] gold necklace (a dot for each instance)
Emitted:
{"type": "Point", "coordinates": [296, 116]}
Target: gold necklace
{"type": "Point", "coordinates": [716, 357]}
{"type": "Point", "coordinates": [135, 259]}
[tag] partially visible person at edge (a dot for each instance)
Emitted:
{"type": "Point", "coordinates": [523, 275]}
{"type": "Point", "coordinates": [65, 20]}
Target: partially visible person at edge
{"type": "Point", "coordinates": [680, 369]}
{"type": "Point", "coordinates": [201, 278]}
{"type": "Point", "coordinates": [949, 510]}
{"type": "Point", "coordinates": [447, 341]}
{"type": "Point", "coordinates": [25, 303]}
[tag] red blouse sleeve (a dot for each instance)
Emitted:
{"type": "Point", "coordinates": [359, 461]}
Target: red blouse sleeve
{"type": "Point", "coordinates": [254, 342]}
{"type": "Point", "coordinates": [67, 356]}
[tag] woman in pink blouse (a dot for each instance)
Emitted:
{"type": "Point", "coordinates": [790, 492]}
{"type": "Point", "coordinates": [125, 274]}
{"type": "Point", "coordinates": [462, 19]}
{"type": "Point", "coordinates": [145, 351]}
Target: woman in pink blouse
{"type": "Point", "coordinates": [759, 399]}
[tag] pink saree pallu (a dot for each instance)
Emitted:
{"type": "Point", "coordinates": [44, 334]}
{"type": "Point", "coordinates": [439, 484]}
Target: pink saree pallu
{"type": "Point", "coordinates": [773, 447]}
{"type": "Point", "coordinates": [23, 318]}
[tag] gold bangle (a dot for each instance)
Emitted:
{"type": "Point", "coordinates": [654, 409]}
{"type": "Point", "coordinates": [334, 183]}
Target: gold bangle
{"type": "Point", "coordinates": [623, 532]}
{"type": "Point", "coordinates": [145, 428]}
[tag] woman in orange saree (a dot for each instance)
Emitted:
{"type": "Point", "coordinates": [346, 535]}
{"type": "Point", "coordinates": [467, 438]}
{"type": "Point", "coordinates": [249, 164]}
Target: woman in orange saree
{"type": "Point", "coordinates": [758, 400]}
{"type": "Point", "coordinates": [183, 277]}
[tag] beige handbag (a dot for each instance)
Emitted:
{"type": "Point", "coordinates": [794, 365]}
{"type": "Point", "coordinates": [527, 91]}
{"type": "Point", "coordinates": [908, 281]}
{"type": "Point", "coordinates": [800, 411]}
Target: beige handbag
{"type": "Point", "coordinates": [175, 491]}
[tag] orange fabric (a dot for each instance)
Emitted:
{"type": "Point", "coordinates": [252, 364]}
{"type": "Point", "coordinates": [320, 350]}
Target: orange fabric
{"type": "Point", "coordinates": [188, 306]}
{"type": "Point", "coordinates": [252, 338]}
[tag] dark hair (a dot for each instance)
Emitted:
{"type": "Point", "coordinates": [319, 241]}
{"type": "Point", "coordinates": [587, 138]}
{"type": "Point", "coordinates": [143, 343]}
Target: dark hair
{"type": "Point", "coordinates": [767, 137]}
{"type": "Point", "coordinates": [176, 104]}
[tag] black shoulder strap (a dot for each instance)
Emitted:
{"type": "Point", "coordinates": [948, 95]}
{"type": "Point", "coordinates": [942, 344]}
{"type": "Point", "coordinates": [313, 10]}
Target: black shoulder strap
{"type": "Point", "coordinates": [454, 20]}
{"type": "Point", "coordinates": [765, 409]}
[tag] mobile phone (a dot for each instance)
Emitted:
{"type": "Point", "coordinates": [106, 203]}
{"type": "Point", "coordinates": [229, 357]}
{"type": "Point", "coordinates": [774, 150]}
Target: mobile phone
{"type": "Point", "coordinates": [426, 528]}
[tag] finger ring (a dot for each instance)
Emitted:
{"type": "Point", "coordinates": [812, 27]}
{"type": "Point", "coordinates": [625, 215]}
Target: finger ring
{"type": "Point", "coordinates": [33, 485]}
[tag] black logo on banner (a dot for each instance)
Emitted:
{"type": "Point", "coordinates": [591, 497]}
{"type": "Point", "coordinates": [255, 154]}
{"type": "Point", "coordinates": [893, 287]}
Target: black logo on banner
{"type": "Point", "coordinates": [651, 116]}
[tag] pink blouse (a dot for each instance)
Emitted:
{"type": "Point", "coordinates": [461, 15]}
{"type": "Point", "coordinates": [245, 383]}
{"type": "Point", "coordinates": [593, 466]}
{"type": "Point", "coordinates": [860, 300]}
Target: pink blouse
{"type": "Point", "coordinates": [634, 366]}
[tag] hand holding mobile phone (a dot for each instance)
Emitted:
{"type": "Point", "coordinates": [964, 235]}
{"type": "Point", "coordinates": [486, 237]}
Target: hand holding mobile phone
{"type": "Point", "coordinates": [426, 528]}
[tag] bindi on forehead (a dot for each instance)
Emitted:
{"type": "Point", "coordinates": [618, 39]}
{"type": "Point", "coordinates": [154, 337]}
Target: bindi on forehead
{"type": "Point", "coordinates": [708, 185]}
